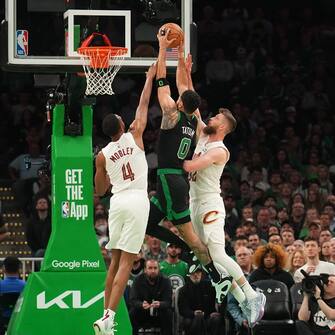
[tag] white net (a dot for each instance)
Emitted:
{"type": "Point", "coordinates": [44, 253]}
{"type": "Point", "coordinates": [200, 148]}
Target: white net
{"type": "Point", "coordinates": [100, 70]}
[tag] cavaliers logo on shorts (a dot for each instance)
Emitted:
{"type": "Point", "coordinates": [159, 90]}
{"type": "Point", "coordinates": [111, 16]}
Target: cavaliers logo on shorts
{"type": "Point", "coordinates": [210, 217]}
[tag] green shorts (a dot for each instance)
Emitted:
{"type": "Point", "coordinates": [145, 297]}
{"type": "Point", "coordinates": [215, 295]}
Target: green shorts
{"type": "Point", "coordinates": [172, 195]}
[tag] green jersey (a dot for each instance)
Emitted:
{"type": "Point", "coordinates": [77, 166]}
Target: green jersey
{"type": "Point", "coordinates": [178, 143]}
{"type": "Point", "coordinates": [175, 272]}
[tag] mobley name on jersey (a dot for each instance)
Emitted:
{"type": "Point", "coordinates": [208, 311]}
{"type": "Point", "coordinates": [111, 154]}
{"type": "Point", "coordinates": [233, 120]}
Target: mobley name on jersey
{"type": "Point", "coordinates": [121, 153]}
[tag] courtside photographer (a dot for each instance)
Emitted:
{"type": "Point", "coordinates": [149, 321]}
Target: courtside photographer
{"type": "Point", "coordinates": [317, 312]}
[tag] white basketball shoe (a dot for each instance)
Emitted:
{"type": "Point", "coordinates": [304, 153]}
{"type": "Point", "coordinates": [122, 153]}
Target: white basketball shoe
{"type": "Point", "coordinates": [106, 324]}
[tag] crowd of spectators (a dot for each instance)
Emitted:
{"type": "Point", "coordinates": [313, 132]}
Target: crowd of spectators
{"type": "Point", "coordinates": [273, 67]}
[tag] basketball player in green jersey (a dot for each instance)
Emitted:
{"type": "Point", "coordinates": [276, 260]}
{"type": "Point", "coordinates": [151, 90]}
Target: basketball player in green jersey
{"type": "Point", "coordinates": [177, 137]}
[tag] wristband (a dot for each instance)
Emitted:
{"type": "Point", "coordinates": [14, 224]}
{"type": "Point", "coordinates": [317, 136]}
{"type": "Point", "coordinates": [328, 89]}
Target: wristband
{"type": "Point", "coordinates": [162, 82]}
{"type": "Point", "coordinates": [317, 299]}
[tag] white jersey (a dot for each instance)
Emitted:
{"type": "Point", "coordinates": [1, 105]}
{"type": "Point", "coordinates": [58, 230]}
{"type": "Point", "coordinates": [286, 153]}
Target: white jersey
{"type": "Point", "coordinates": [205, 183]}
{"type": "Point", "coordinates": [126, 164]}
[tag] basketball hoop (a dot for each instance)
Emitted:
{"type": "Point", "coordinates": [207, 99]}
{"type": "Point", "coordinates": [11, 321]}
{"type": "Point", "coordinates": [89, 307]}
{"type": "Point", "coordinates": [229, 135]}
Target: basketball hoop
{"type": "Point", "coordinates": [101, 64]}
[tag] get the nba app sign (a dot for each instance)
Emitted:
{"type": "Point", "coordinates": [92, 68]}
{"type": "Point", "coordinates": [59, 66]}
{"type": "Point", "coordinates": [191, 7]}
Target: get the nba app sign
{"type": "Point", "coordinates": [74, 192]}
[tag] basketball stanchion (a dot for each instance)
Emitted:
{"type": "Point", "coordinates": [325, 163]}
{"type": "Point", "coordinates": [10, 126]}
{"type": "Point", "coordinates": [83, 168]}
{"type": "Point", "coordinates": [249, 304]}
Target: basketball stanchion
{"type": "Point", "coordinates": [67, 295]}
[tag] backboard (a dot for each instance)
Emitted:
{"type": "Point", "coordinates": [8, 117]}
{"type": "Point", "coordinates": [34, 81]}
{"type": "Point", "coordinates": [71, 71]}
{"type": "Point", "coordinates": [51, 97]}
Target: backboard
{"type": "Point", "coordinates": [42, 36]}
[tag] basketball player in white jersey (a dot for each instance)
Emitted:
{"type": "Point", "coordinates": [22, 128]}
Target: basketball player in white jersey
{"type": "Point", "coordinates": [122, 163]}
{"type": "Point", "coordinates": [207, 207]}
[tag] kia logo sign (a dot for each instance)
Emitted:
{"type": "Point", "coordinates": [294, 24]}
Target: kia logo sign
{"type": "Point", "coordinates": [76, 302]}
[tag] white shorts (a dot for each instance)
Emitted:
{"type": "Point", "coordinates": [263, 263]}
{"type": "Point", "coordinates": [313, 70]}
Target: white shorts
{"type": "Point", "coordinates": [127, 220]}
{"type": "Point", "coordinates": [208, 218]}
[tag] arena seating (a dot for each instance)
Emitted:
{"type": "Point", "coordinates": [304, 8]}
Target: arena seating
{"type": "Point", "coordinates": [277, 315]}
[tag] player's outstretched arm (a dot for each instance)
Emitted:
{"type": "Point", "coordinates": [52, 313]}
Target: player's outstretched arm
{"type": "Point", "coordinates": [214, 156]}
{"type": "Point", "coordinates": [181, 74]}
{"type": "Point", "coordinates": [138, 125]}
{"type": "Point", "coordinates": [188, 65]}
{"type": "Point", "coordinates": [101, 179]}
{"type": "Point", "coordinates": [168, 105]}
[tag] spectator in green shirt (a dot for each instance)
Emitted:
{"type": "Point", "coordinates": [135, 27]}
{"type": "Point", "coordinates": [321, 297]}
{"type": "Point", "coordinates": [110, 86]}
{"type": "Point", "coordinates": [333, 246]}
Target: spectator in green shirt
{"type": "Point", "coordinates": [174, 268]}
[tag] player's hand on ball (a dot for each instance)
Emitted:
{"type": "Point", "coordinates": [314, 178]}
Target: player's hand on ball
{"type": "Point", "coordinates": [163, 40]}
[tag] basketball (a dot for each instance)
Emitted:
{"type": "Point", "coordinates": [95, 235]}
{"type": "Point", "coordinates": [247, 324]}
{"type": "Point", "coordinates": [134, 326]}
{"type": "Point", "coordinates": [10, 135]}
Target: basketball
{"type": "Point", "coordinates": [175, 33]}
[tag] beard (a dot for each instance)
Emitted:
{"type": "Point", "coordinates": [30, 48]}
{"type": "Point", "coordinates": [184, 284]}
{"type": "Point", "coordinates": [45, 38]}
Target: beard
{"type": "Point", "coordinates": [173, 255]}
{"type": "Point", "coordinates": [209, 130]}
{"type": "Point", "coordinates": [152, 278]}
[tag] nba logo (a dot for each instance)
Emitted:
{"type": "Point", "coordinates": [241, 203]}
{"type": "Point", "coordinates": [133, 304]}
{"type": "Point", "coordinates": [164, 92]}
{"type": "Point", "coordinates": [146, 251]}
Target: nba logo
{"type": "Point", "coordinates": [22, 42]}
{"type": "Point", "coordinates": [65, 209]}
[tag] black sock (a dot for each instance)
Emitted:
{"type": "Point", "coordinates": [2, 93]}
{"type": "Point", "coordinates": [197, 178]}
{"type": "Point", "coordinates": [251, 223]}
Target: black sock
{"type": "Point", "coordinates": [188, 257]}
{"type": "Point", "coordinates": [213, 272]}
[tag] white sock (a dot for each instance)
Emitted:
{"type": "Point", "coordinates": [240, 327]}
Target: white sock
{"type": "Point", "coordinates": [249, 292]}
{"type": "Point", "coordinates": [238, 294]}
{"type": "Point", "coordinates": [110, 312]}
